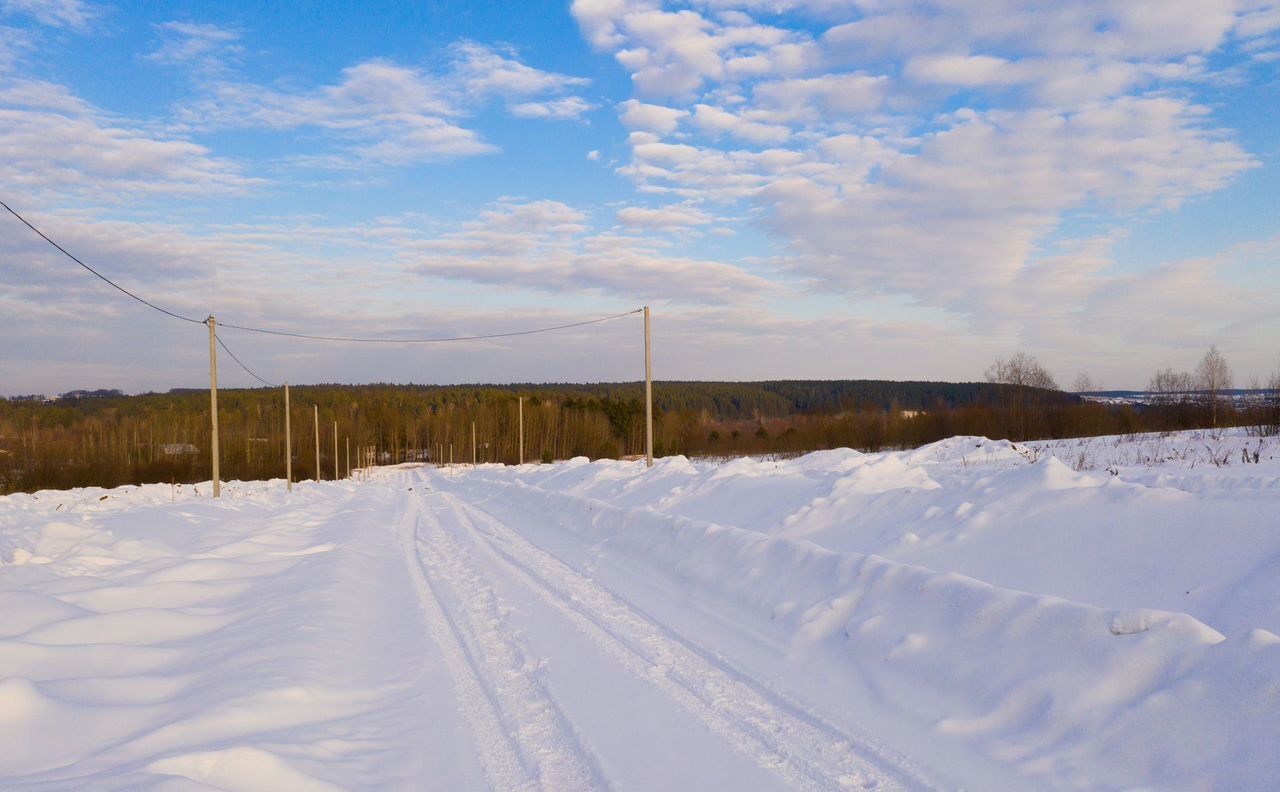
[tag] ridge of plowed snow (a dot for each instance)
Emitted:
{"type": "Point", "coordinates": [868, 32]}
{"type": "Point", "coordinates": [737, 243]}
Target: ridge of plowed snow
{"type": "Point", "coordinates": [1099, 613]}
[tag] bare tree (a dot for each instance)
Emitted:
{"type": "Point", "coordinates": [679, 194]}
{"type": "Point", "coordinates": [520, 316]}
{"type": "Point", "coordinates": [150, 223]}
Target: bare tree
{"type": "Point", "coordinates": [1021, 369]}
{"type": "Point", "coordinates": [1024, 403]}
{"type": "Point", "coordinates": [1170, 387]}
{"type": "Point", "coordinates": [1213, 376]}
{"type": "Point", "coordinates": [1083, 383]}
{"type": "Point", "coordinates": [1270, 424]}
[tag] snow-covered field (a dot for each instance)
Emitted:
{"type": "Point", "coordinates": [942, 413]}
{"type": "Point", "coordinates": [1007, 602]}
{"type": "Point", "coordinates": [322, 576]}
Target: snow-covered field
{"type": "Point", "coordinates": [1096, 614]}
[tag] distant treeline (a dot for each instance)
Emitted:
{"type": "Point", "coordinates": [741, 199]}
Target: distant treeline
{"type": "Point", "coordinates": [105, 439]}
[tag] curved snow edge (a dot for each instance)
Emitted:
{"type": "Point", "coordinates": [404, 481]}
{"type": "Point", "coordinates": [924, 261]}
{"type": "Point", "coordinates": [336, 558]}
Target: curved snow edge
{"type": "Point", "coordinates": [1071, 692]}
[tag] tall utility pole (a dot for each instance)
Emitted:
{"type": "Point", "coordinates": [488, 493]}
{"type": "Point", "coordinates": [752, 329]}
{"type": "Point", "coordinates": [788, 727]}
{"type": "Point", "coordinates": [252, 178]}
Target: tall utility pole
{"type": "Point", "coordinates": [648, 394]}
{"type": "Point", "coordinates": [316, 423]}
{"type": "Point", "coordinates": [288, 442]}
{"type": "Point", "coordinates": [335, 451]}
{"type": "Point", "coordinates": [473, 444]}
{"type": "Point", "coordinates": [213, 400]}
{"type": "Point", "coordinates": [348, 457]}
{"type": "Point", "coordinates": [522, 430]}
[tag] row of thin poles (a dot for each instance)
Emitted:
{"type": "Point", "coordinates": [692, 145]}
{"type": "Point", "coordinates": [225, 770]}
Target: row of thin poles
{"type": "Point", "coordinates": [288, 433]}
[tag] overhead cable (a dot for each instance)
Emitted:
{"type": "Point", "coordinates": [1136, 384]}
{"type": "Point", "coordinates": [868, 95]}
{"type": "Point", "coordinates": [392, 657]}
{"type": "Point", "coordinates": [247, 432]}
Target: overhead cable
{"type": "Point", "coordinates": [429, 340]}
{"type": "Point", "coordinates": [248, 370]}
{"type": "Point", "coordinates": [308, 336]}
{"type": "Point", "coordinates": [99, 274]}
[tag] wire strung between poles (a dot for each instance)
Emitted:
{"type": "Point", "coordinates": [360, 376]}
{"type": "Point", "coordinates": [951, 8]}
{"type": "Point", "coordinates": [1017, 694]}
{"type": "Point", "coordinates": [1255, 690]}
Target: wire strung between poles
{"type": "Point", "coordinates": [308, 336]}
{"type": "Point", "coordinates": [429, 340]}
{"type": "Point", "coordinates": [249, 371]}
{"type": "Point", "coordinates": [95, 272]}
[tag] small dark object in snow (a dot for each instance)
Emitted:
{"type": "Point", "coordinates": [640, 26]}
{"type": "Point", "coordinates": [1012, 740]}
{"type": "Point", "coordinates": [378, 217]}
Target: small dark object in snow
{"type": "Point", "coordinates": [104, 497]}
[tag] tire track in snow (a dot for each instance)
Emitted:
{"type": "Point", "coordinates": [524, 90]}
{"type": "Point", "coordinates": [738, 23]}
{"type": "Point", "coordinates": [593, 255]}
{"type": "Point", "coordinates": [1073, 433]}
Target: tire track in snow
{"type": "Point", "coordinates": [802, 749]}
{"type": "Point", "coordinates": [524, 741]}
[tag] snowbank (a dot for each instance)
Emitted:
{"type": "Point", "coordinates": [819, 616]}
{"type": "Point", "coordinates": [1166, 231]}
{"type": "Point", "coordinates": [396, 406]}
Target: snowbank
{"type": "Point", "coordinates": [1101, 678]}
{"type": "Point", "coordinates": [1095, 614]}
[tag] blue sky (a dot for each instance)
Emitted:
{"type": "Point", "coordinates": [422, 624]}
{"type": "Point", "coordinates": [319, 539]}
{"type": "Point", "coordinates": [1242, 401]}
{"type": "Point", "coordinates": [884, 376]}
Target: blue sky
{"type": "Point", "coordinates": [799, 188]}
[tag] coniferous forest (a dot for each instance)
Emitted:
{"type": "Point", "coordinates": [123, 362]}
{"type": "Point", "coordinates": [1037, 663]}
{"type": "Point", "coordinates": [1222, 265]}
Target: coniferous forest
{"type": "Point", "coordinates": [104, 438]}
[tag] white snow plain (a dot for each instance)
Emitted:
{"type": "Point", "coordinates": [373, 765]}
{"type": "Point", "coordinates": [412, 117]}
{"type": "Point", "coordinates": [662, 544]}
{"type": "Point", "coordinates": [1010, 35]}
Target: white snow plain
{"type": "Point", "coordinates": [974, 614]}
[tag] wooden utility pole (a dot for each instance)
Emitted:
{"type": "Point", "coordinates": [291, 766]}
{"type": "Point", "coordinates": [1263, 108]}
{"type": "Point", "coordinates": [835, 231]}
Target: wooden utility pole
{"type": "Point", "coordinates": [288, 443]}
{"type": "Point", "coordinates": [335, 452]}
{"type": "Point", "coordinates": [348, 457]}
{"type": "Point", "coordinates": [213, 400]}
{"type": "Point", "coordinates": [316, 425]}
{"type": "Point", "coordinates": [648, 394]}
{"type": "Point", "coordinates": [521, 430]}
{"type": "Point", "coordinates": [473, 444]}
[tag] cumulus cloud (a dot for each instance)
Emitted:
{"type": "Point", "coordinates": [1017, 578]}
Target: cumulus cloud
{"type": "Point", "coordinates": [674, 53]}
{"type": "Point", "coordinates": [567, 107]}
{"type": "Point", "coordinates": [389, 113]}
{"type": "Point", "coordinates": [971, 164]}
{"type": "Point", "coordinates": [548, 246]}
{"type": "Point", "coordinates": [959, 218]}
{"type": "Point", "coordinates": [650, 117]}
{"type": "Point", "coordinates": [827, 97]}
{"type": "Point", "coordinates": [715, 121]}
{"type": "Point", "coordinates": [664, 219]}
{"type": "Point", "coordinates": [480, 69]}
{"type": "Point", "coordinates": [871, 190]}
{"type": "Point", "coordinates": [52, 142]}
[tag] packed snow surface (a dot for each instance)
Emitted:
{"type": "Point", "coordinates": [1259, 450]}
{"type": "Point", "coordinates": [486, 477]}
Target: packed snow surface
{"type": "Point", "coordinates": [974, 614]}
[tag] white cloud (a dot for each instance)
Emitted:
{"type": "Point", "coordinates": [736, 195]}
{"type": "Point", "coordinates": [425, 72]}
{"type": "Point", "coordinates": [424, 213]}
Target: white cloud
{"type": "Point", "coordinates": [651, 117]}
{"type": "Point", "coordinates": [667, 218]}
{"type": "Point", "coordinates": [1133, 29]}
{"type": "Point", "coordinates": [876, 185]}
{"type": "Point", "coordinates": [975, 198]}
{"type": "Point", "coordinates": [839, 138]}
{"type": "Point", "coordinates": [547, 246]}
{"type": "Point", "coordinates": [828, 97]}
{"type": "Point", "coordinates": [73, 14]}
{"type": "Point", "coordinates": [482, 70]}
{"type": "Point", "coordinates": [54, 143]}
{"type": "Point", "coordinates": [567, 107]}
{"type": "Point", "coordinates": [386, 113]}
{"type": "Point", "coordinates": [1258, 18]}
{"type": "Point", "coordinates": [391, 114]}
{"type": "Point", "coordinates": [204, 47]}
{"type": "Point", "coordinates": [674, 53]}
{"type": "Point", "coordinates": [714, 120]}
{"type": "Point", "coordinates": [14, 44]}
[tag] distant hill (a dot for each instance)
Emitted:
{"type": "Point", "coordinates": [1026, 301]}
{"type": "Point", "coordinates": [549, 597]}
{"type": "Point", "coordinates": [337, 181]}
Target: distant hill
{"type": "Point", "coordinates": [723, 400]}
{"type": "Point", "coordinates": [720, 400]}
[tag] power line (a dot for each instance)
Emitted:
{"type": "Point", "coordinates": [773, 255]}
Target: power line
{"type": "Point", "coordinates": [248, 370]}
{"type": "Point", "coordinates": [309, 336]}
{"type": "Point", "coordinates": [95, 272]}
{"type": "Point", "coordinates": [429, 340]}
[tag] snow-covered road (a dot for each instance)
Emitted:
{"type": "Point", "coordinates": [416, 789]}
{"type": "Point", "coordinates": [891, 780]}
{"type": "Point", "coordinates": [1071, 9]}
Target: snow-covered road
{"type": "Point", "coordinates": [552, 655]}
{"type": "Point", "coordinates": [821, 623]}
